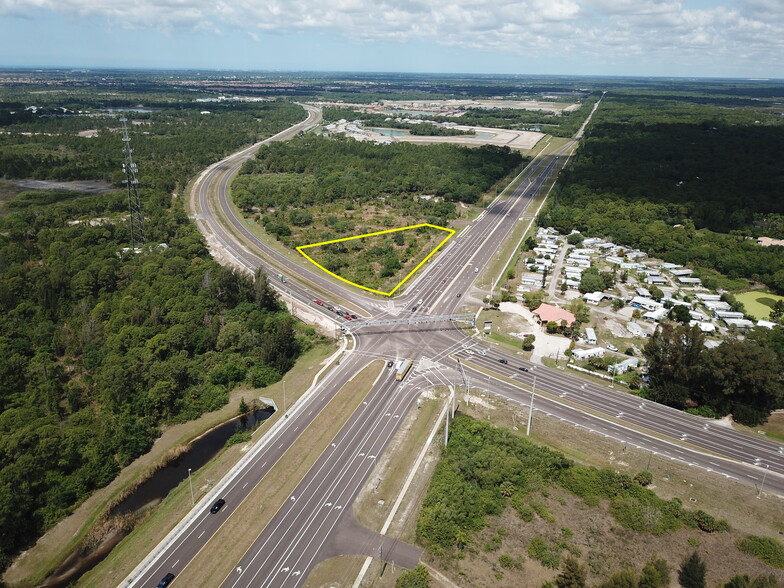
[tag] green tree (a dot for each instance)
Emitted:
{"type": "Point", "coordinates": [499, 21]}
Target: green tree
{"type": "Point", "coordinates": [626, 578]}
{"type": "Point", "coordinates": [741, 377]}
{"type": "Point", "coordinates": [263, 294]}
{"type": "Point", "coordinates": [777, 312]}
{"type": "Point", "coordinates": [529, 244]}
{"type": "Point", "coordinates": [572, 575]}
{"type": "Point", "coordinates": [591, 281]}
{"type": "Point", "coordinates": [617, 304]}
{"type": "Point", "coordinates": [680, 313]}
{"type": "Point", "coordinates": [574, 239]}
{"type": "Point", "coordinates": [418, 577]}
{"type": "Point", "coordinates": [655, 574]}
{"type": "Point", "coordinates": [674, 355]}
{"type": "Point", "coordinates": [692, 572]}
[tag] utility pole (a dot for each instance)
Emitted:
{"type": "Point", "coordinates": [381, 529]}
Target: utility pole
{"type": "Point", "coordinates": [135, 216]}
{"type": "Point", "coordinates": [531, 410]}
{"type": "Point", "coordinates": [465, 382]}
{"type": "Point", "coordinates": [284, 399]}
{"type": "Point", "coordinates": [765, 475]}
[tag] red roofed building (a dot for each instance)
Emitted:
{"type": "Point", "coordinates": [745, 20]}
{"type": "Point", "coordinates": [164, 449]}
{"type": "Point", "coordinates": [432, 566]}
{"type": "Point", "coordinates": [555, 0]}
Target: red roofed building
{"type": "Point", "coordinates": [548, 312]}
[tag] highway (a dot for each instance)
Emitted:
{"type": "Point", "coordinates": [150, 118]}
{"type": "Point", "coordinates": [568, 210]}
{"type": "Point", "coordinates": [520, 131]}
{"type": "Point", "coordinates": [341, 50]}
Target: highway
{"type": "Point", "coordinates": [303, 531]}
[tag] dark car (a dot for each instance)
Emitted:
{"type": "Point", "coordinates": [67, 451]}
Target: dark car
{"type": "Point", "coordinates": [390, 363]}
{"type": "Point", "coordinates": [414, 309]}
{"type": "Point", "coordinates": [217, 506]}
{"type": "Point", "coordinates": [458, 294]}
{"type": "Point", "coordinates": [167, 579]}
{"type": "Point", "coordinates": [523, 369]}
{"type": "Point", "coordinates": [502, 361]}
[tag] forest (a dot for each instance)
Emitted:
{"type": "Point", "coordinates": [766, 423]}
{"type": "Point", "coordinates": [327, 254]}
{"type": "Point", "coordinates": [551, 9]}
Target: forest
{"type": "Point", "coordinates": [690, 183]}
{"type": "Point", "coordinates": [100, 347]}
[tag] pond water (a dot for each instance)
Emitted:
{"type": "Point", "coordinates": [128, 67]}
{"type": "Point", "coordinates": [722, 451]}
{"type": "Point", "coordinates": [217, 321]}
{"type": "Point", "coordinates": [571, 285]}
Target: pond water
{"type": "Point", "coordinates": [389, 132]}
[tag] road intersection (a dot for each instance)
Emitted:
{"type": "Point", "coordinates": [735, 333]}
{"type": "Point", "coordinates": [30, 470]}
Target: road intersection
{"type": "Point", "coordinates": [316, 522]}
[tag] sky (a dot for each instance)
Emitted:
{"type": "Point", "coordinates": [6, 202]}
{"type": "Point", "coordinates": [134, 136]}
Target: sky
{"type": "Point", "coordinates": [686, 38]}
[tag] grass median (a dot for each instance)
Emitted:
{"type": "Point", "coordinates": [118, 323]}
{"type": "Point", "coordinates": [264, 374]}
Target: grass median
{"type": "Point", "coordinates": [243, 527]}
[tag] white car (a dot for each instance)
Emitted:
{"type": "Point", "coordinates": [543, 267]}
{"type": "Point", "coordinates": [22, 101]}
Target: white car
{"type": "Point", "coordinates": [612, 347]}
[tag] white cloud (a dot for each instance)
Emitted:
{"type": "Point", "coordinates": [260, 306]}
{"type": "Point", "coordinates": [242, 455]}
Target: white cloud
{"type": "Point", "coordinates": [613, 29]}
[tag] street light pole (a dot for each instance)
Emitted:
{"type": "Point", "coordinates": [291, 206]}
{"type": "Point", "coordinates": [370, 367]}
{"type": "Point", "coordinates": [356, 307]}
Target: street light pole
{"type": "Point", "coordinates": [765, 475]}
{"type": "Point", "coordinates": [190, 483]}
{"type": "Point", "coordinates": [531, 410]}
{"type": "Point", "coordinates": [284, 399]}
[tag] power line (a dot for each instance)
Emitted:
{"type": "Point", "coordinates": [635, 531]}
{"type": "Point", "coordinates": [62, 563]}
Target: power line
{"type": "Point", "coordinates": [135, 216]}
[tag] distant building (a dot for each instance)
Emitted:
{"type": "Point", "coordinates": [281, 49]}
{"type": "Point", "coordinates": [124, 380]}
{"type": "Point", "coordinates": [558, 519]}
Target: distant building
{"type": "Point", "coordinates": [623, 366]}
{"type": "Point", "coordinates": [637, 330]}
{"type": "Point", "coordinates": [655, 315]}
{"type": "Point", "coordinates": [583, 354]}
{"type": "Point", "coordinates": [680, 273]}
{"type": "Point", "coordinates": [767, 242]}
{"type": "Point", "coordinates": [645, 303]}
{"type": "Point", "coordinates": [686, 281]}
{"type": "Point", "coordinates": [548, 313]}
{"type": "Point", "coordinates": [594, 297]}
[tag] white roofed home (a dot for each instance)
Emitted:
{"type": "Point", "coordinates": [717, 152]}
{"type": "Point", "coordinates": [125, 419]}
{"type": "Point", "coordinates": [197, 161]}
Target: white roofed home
{"type": "Point", "coordinates": [582, 354]}
{"type": "Point", "coordinates": [646, 303]}
{"type": "Point", "coordinates": [594, 297]}
{"type": "Point", "coordinates": [655, 315]}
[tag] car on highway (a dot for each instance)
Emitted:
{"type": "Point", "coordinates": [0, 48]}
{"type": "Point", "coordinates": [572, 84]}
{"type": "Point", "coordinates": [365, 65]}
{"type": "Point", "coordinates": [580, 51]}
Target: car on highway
{"type": "Point", "coordinates": [469, 352]}
{"type": "Point", "coordinates": [414, 309]}
{"type": "Point", "coordinates": [482, 352]}
{"type": "Point", "coordinates": [523, 369]}
{"type": "Point", "coordinates": [390, 363]}
{"type": "Point", "coordinates": [319, 302]}
{"type": "Point", "coordinates": [218, 505]}
{"type": "Point", "coordinates": [166, 580]}
{"type": "Point", "coordinates": [458, 294]}
{"type": "Point", "coordinates": [502, 361]}
{"type": "Point", "coordinates": [354, 317]}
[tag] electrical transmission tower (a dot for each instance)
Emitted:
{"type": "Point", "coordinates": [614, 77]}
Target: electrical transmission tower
{"type": "Point", "coordinates": [136, 218]}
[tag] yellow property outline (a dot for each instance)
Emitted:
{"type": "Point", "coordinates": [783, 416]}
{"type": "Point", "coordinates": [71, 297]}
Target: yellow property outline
{"type": "Point", "coordinates": [403, 281]}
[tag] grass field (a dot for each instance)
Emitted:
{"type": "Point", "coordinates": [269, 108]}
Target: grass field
{"type": "Point", "coordinates": [758, 304]}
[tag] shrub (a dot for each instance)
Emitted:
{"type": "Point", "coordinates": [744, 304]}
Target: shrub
{"type": "Point", "coordinates": [766, 549]}
{"type": "Point", "coordinates": [548, 555]}
{"type": "Point", "coordinates": [418, 577]}
{"type": "Point", "coordinates": [507, 561]}
{"type": "Point", "coordinates": [644, 478]}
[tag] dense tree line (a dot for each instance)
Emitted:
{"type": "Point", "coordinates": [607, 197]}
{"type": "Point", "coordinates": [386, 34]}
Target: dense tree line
{"type": "Point", "coordinates": [172, 143]}
{"type": "Point", "coordinates": [685, 182]}
{"type": "Point", "coordinates": [742, 377]}
{"type": "Point", "coordinates": [321, 170]}
{"type": "Point", "coordinates": [99, 347]}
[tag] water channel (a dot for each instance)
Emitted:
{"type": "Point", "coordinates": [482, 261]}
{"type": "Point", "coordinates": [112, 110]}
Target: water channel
{"type": "Point", "coordinates": [151, 492]}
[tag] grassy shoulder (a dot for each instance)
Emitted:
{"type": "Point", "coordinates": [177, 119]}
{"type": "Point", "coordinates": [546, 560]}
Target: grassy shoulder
{"type": "Point", "coordinates": [158, 521]}
{"type": "Point", "coordinates": [525, 535]}
{"type": "Point", "coordinates": [234, 538]}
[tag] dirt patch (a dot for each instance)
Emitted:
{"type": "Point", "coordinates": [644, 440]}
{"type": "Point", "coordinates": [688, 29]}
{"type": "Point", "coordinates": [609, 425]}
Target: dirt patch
{"type": "Point", "coordinates": [87, 186]}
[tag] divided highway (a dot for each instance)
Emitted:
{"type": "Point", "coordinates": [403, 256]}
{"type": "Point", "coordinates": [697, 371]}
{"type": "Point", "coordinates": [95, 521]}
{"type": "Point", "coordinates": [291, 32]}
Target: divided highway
{"type": "Point", "coordinates": [302, 533]}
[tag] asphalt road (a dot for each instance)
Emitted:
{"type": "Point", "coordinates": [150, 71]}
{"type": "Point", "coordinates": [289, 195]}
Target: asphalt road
{"type": "Point", "coordinates": [303, 532]}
